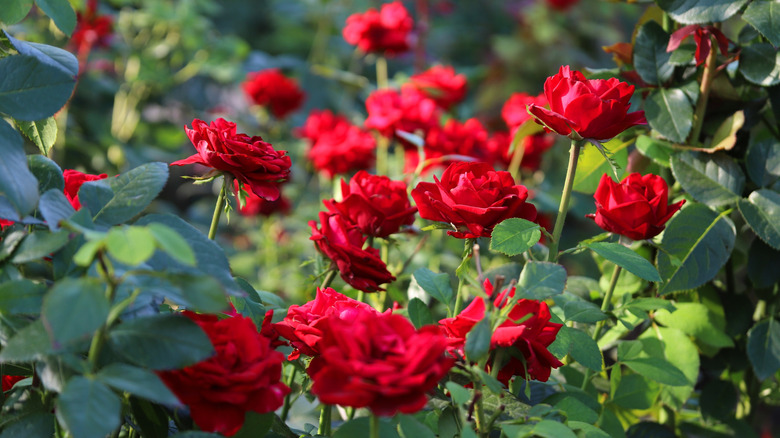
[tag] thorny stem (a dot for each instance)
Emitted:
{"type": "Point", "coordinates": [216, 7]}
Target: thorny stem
{"type": "Point", "coordinates": [287, 402]}
{"type": "Point", "coordinates": [604, 306]}
{"type": "Point", "coordinates": [704, 93]}
{"type": "Point", "coordinates": [574, 154]}
{"type": "Point", "coordinates": [374, 428]}
{"type": "Point", "coordinates": [329, 277]}
{"type": "Point", "coordinates": [218, 208]}
{"type": "Point", "coordinates": [325, 415]}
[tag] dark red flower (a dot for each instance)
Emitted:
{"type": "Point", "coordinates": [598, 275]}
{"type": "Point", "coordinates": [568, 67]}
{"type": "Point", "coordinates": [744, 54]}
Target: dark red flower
{"type": "Point", "coordinates": [378, 205]}
{"type": "Point", "coordinates": [378, 361]}
{"type": "Point", "coordinates": [466, 139]}
{"type": "Point", "coordinates": [243, 375]}
{"type": "Point", "coordinates": [10, 381]}
{"type": "Point", "coordinates": [473, 198]}
{"type": "Point", "coordinates": [441, 84]}
{"type": "Point", "coordinates": [408, 110]}
{"type": "Point", "coordinates": [702, 36]}
{"type": "Point", "coordinates": [73, 181]}
{"type": "Point", "coordinates": [562, 5]}
{"type": "Point", "coordinates": [342, 242]}
{"type": "Point", "coordinates": [531, 337]}
{"type": "Point", "coordinates": [303, 324]}
{"type": "Point", "coordinates": [337, 146]}
{"type": "Point", "coordinates": [385, 31]}
{"type": "Point", "coordinates": [249, 159]}
{"type": "Point", "coordinates": [515, 109]}
{"type": "Point", "coordinates": [257, 206]}
{"type": "Point", "coordinates": [273, 89]}
{"type": "Point", "coordinates": [586, 108]}
{"type": "Point", "coordinates": [638, 207]}
{"type": "Point", "coordinates": [92, 30]}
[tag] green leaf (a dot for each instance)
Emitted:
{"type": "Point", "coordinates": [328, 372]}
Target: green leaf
{"type": "Point", "coordinates": [683, 55]}
{"type": "Point", "coordinates": [42, 74]}
{"type": "Point", "coordinates": [419, 313]}
{"type": "Point", "coordinates": [657, 150]}
{"type": "Point", "coordinates": [700, 241]}
{"type": "Point", "coordinates": [543, 429]}
{"type": "Point", "coordinates": [725, 137]}
{"type": "Point", "coordinates": [130, 245]}
{"type": "Point", "coordinates": [763, 348]}
{"type": "Point", "coordinates": [249, 305]}
{"type": "Point", "coordinates": [55, 207]}
{"type": "Point", "coordinates": [359, 428]}
{"type": "Point", "coordinates": [172, 243]}
{"type": "Point", "coordinates": [718, 399]}
{"type": "Point", "coordinates": [17, 183]}
{"type": "Point", "coordinates": [200, 293]}
{"type": "Point", "coordinates": [760, 64]}
{"type": "Point", "coordinates": [30, 425]}
{"type": "Point", "coordinates": [681, 352]}
{"type": "Point", "coordinates": [47, 172]}
{"type": "Point", "coordinates": [61, 12]}
{"type": "Point", "coordinates": [13, 11]}
{"type": "Point", "coordinates": [435, 285]}
{"type": "Point", "coordinates": [478, 340]}
{"type": "Point", "coordinates": [161, 342]}
{"type": "Point", "coordinates": [761, 211]}
{"type": "Point", "coordinates": [592, 164]}
{"type": "Point", "coordinates": [764, 15]}
{"type": "Point", "coordinates": [411, 428]}
{"type": "Point", "coordinates": [28, 344]}
{"type": "Point", "coordinates": [583, 311]}
{"type": "Point", "coordinates": [626, 259]}
{"type": "Point", "coordinates": [651, 60]}
{"type": "Point", "coordinates": [85, 294]}
{"type": "Point", "coordinates": [647, 304]}
{"type": "Point", "coordinates": [255, 425]}
{"type": "Point", "coordinates": [669, 112]}
{"type": "Point", "coordinates": [701, 11]}
{"type": "Point", "coordinates": [714, 179]}
{"type": "Point", "coordinates": [137, 381]}
{"type": "Point", "coordinates": [21, 296]}
{"type": "Point", "coordinates": [39, 244]}
{"type": "Point", "coordinates": [579, 345]}
{"type": "Point", "coordinates": [588, 430]}
{"type": "Point", "coordinates": [761, 266]}
{"type": "Point", "coordinates": [459, 394]}
{"type": "Point", "coordinates": [88, 408]}
{"type": "Point", "coordinates": [514, 236]}
{"type": "Point", "coordinates": [132, 191]}
{"type": "Point", "coordinates": [660, 370]}
{"type": "Point", "coordinates": [763, 161]}
{"type": "Point", "coordinates": [540, 280]}
{"type": "Point", "coordinates": [41, 132]}
{"type": "Point", "coordinates": [635, 392]}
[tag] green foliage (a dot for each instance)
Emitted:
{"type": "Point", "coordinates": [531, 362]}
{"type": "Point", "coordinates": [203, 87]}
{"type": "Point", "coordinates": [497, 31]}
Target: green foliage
{"type": "Point", "coordinates": [761, 210]}
{"type": "Point", "coordinates": [669, 112]}
{"type": "Point", "coordinates": [626, 259]}
{"type": "Point", "coordinates": [700, 11]}
{"type": "Point", "coordinates": [763, 348]}
{"type": "Point", "coordinates": [18, 186]}
{"type": "Point", "coordinates": [760, 64]}
{"type": "Point", "coordinates": [87, 295]}
{"type": "Point", "coordinates": [763, 15]}
{"type": "Point", "coordinates": [435, 285]}
{"type": "Point", "coordinates": [540, 280]}
{"type": "Point", "coordinates": [119, 199]}
{"type": "Point", "coordinates": [514, 236]}
{"type": "Point", "coordinates": [651, 59]}
{"type": "Point", "coordinates": [593, 164]}
{"type": "Point", "coordinates": [713, 179]}
{"type": "Point", "coordinates": [88, 408]}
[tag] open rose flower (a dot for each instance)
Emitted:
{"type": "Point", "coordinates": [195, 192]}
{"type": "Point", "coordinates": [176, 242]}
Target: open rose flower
{"type": "Point", "coordinates": [378, 205]}
{"type": "Point", "coordinates": [342, 242]}
{"type": "Point", "coordinates": [337, 146]}
{"type": "Point", "coordinates": [441, 84]}
{"type": "Point", "coordinates": [378, 361]}
{"type": "Point", "coordinates": [581, 108]}
{"type": "Point", "coordinates": [385, 31]}
{"type": "Point", "coordinates": [303, 324]}
{"type": "Point", "coordinates": [473, 198]}
{"type": "Point", "coordinates": [515, 109]}
{"type": "Point", "coordinates": [531, 337]}
{"type": "Point", "coordinates": [276, 91]}
{"type": "Point", "coordinates": [249, 159]}
{"type": "Point", "coordinates": [638, 207]}
{"type": "Point", "coordinates": [73, 181]}
{"type": "Point", "coordinates": [408, 110]}
{"type": "Point", "coordinates": [243, 375]}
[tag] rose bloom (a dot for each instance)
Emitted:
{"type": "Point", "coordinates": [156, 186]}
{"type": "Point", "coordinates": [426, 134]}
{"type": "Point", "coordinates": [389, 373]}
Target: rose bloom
{"type": "Point", "coordinates": [441, 84]}
{"type": "Point", "coordinates": [273, 89]}
{"type": "Point", "coordinates": [249, 159]}
{"type": "Point", "coordinates": [408, 110]}
{"type": "Point", "coordinates": [320, 122]}
{"type": "Point", "coordinates": [378, 205]}
{"type": "Point", "coordinates": [385, 31]}
{"type": "Point", "coordinates": [531, 337]}
{"type": "Point", "coordinates": [9, 382]}
{"type": "Point", "coordinates": [466, 139]}
{"type": "Point", "coordinates": [473, 198]}
{"type": "Point", "coordinates": [515, 112]}
{"type": "Point", "coordinates": [92, 30]}
{"type": "Point", "coordinates": [638, 207]}
{"type": "Point", "coordinates": [561, 5]}
{"type": "Point", "coordinates": [534, 146]}
{"type": "Point", "coordinates": [303, 324]}
{"type": "Point", "coordinates": [336, 145]}
{"type": "Point", "coordinates": [378, 361]}
{"type": "Point", "coordinates": [257, 206]}
{"type": "Point", "coordinates": [342, 242]}
{"type": "Point", "coordinates": [243, 375]}
{"type": "Point", "coordinates": [73, 181]}
{"type": "Point", "coordinates": [581, 108]}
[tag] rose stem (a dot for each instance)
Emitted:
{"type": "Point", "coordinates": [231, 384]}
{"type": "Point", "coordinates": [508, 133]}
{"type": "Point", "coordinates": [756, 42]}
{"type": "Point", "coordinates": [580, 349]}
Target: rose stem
{"type": "Point", "coordinates": [600, 324]}
{"type": "Point", "coordinates": [287, 404]}
{"type": "Point", "coordinates": [574, 154]}
{"type": "Point", "coordinates": [218, 208]}
{"type": "Point", "coordinates": [325, 415]}
{"type": "Point", "coordinates": [382, 142]}
{"type": "Point", "coordinates": [517, 158]}
{"type": "Point", "coordinates": [704, 93]}
{"type": "Point", "coordinates": [329, 277]}
{"type": "Point", "coordinates": [374, 430]}
{"type": "Point", "coordinates": [458, 297]}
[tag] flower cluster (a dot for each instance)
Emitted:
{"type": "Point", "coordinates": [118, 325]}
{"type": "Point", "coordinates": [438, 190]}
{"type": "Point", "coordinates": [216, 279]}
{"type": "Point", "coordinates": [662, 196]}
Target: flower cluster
{"type": "Point", "coordinates": [386, 31]}
{"type": "Point", "coordinates": [273, 89]}
{"type": "Point", "coordinates": [336, 145]}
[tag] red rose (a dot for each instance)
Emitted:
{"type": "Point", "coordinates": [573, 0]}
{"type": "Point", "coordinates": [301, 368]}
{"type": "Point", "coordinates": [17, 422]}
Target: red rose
{"type": "Point", "coordinates": [303, 324]}
{"type": "Point", "coordinates": [515, 112]}
{"type": "Point", "coordinates": [73, 181]}
{"type": "Point", "coordinates": [531, 337]}
{"type": "Point", "coordinates": [561, 5]}
{"type": "Point", "coordinates": [10, 381]}
{"type": "Point", "coordinates": [92, 30]}
{"type": "Point", "coordinates": [320, 122]}
{"type": "Point", "coordinates": [343, 242]}
{"type": "Point", "coordinates": [636, 208]}
{"type": "Point", "coordinates": [466, 139]}
{"type": "Point", "coordinates": [378, 205]}
{"type": "Point", "coordinates": [249, 159]}
{"type": "Point", "coordinates": [473, 198]}
{"type": "Point", "coordinates": [385, 31]}
{"type": "Point", "coordinates": [702, 36]}
{"type": "Point", "coordinates": [243, 375]}
{"type": "Point", "coordinates": [408, 110]}
{"type": "Point", "coordinates": [257, 206]}
{"type": "Point", "coordinates": [534, 147]}
{"type": "Point", "coordinates": [337, 146]}
{"type": "Point", "coordinates": [580, 108]}
{"type": "Point", "coordinates": [441, 84]}
{"type": "Point", "coordinates": [378, 361]}
{"type": "Point", "coordinates": [273, 89]}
